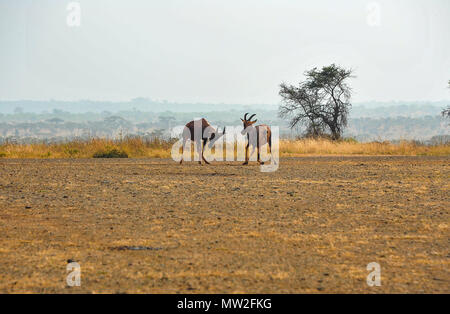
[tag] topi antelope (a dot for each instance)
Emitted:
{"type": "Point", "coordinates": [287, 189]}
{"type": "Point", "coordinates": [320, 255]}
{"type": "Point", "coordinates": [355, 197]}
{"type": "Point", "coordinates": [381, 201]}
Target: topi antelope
{"type": "Point", "coordinates": [261, 132]}
{"type": "Point", "coordinates": [207, 133]}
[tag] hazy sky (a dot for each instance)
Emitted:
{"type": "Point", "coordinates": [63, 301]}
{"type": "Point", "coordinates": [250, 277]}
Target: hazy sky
{"type": "Point", "coordinates": [221, 51]}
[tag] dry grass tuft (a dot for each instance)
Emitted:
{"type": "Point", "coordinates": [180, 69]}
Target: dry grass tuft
{"type": "Point", "coordinates": [132, 147]}
{"type": "Point", "coordinates": [293, 148]}
{"type": "Point", "coordinates": [136, 147]}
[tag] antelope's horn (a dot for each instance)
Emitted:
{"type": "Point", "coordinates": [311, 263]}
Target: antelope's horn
{"type": "Point", "coordinates": [223, 130]}
{"type": "Point", "coordinates": [245, 116]}
{"type": "Point", "coordinates": [249, 119]}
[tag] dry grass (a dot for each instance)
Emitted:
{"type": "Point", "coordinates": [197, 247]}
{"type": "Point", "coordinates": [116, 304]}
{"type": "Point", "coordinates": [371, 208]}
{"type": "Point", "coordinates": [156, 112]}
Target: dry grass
{"type": "Point", "coordinates": [133, 147]}
{"type": "Point", "coordinates": [139, 148]}
{"type": "Point", "coordinates": [291, 148]}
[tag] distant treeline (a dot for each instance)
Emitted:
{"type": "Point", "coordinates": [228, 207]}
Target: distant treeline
{"type": "Point", "coordinates": [366, 109]}
{"type": "Point", "coordinates": [160, 126]}
{"type": "Point", "coordinates": [136, 104]}
{"type": "Point", "coordinates": [367, 123]}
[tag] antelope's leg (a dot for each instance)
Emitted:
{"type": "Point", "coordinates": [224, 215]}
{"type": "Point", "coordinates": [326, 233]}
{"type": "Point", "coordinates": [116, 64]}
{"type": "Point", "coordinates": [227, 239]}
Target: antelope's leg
{"type": "Point", "coordinates": [246, 155]}
{"type": "Point", "coordinates": [203, 148]}
{"type": "Point", "coordinates": [182, 151]}
{"type": "Point", "coordinates": [259, 144]}
{"type": "Point", "coordinates": [270, 149]}
{"type": "Point", "coordinates": [259, 159]}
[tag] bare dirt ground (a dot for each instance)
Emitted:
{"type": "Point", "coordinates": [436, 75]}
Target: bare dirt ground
{"type": "Point", "coordinates": [312, 226]}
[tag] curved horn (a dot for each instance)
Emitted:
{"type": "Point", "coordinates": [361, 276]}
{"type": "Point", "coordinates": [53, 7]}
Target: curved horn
{"type": "Point", "coordinates": [249, 119]}
{"type": "Point", "coordinates": [245, 116]}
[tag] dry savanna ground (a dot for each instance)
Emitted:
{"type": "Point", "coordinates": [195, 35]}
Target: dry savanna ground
{"type": "Point", "coordinates": [151, 225]}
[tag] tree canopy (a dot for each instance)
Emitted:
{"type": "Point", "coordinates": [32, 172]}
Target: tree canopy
{"type": "Point", "coordinates": [321, 102]}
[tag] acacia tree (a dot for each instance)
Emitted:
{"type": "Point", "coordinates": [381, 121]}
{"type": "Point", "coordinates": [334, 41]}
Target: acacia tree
{"type": "Point", "coordinates": [321, 102]}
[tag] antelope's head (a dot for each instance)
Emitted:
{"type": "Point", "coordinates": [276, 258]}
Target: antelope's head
{"type": "Point", "coordinates": [215, 136]}
{"type": "Point", "coordinates": [247, 122]}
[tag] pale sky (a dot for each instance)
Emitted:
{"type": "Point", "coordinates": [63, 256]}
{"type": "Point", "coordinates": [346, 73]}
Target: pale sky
{"type": "Point", "coordinates": [221, 51]}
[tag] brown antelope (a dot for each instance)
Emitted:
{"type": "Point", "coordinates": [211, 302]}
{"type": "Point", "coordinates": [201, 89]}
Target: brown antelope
{"type": "Point", "coordinates": [257, 131]}
{"type": "Point", "coordinates": [208, 133]}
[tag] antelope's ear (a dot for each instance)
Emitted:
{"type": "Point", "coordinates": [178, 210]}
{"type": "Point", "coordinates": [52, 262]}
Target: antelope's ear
{"type": "Point", "coordinates": [253, 122]}
{"type": "Point", "coordinates": [242, 120]}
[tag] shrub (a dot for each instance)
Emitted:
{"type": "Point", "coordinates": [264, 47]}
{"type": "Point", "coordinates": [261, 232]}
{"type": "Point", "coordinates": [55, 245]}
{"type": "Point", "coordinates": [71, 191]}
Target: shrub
{"type": "Point", "coordinates": [110, 153]}
{"type": "Point", "coordinates": [72, 152]}
{"type": "Point", "coordinates": [350, 140]}
{"type": "Point", "coordinates": [2, 154]}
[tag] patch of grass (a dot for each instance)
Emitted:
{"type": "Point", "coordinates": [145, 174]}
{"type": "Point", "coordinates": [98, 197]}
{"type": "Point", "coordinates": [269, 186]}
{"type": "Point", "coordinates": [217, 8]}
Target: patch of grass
{"type": "Point", "coordinates": [137, 147]}
{"type": "Point", "coordinates": [110, 153]}
{"type": "Point", "coordinates": [72, 152]}
{"type": "Point", "coordinates": [290, 148]}
{"type": "Point", "coordinates": [350, 140]}
{"type": "Point", "coordinates": [134, 147]}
